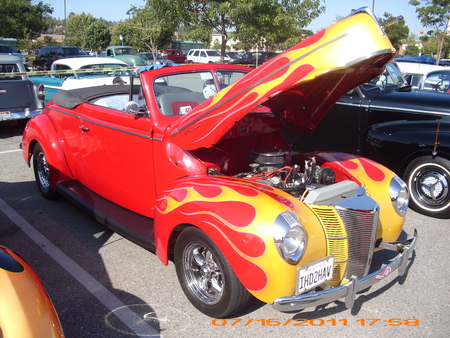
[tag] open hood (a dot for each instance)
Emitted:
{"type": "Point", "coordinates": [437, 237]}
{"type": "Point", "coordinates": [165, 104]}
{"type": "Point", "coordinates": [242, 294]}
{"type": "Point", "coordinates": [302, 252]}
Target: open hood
{"type": "Point", "coordinates": [300, 84]}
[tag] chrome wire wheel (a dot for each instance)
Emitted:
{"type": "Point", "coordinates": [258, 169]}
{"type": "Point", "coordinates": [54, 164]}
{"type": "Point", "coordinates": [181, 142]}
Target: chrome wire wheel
{"type": "Point", "coordinates": [203, 273]}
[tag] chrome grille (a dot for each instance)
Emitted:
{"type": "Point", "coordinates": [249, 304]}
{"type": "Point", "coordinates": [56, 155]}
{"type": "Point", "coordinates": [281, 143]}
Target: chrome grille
{"type": "Point", "coordinates": [350, 235]}
{"type": "Point", "coordinates": [361, 227]}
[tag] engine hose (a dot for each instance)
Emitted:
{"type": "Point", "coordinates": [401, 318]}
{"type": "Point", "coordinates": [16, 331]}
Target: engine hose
{"type": "Point", "coordinates": [308, 181]}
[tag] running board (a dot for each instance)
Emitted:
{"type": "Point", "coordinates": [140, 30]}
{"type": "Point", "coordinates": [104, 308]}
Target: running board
{"type": "Point", "coordinates": [135, 227]}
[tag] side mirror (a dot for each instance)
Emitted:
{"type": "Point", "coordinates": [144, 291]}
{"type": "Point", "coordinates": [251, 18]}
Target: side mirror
{"type": "Point", "coordinates": [132, 108]}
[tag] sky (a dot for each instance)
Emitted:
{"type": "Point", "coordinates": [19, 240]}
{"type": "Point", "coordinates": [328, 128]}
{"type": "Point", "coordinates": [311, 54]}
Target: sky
{"type": "Point", "coordinates": [115, 10]}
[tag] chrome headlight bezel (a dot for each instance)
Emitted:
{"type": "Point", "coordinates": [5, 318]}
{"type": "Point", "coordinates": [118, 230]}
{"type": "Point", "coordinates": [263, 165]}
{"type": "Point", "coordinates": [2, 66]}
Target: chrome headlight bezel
{"type": "Point", "coordinates": [399, 194]}
{"type": "Point", "coordinates": [290, 237]}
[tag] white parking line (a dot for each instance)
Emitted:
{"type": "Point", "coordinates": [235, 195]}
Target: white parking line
{"type": "Point", "coordinates": [128, 317]}
{"type": "Point", "coordinates": [10, 151]}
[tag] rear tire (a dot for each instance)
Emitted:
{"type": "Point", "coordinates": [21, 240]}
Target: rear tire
{"type": "Point", "coordinates": [206, 276]}
{"type": "Point", "coordinates": [428, 179]}
{"type": "Point", "coordinates": [43, 173]}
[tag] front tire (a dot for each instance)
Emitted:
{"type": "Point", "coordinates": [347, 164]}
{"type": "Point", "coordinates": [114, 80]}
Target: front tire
{"type": "Point", "coordinates": [43, 173]}
{"type": "Point", "coordinates": [428, 179]}
{"type": "Point", "coordinates": [206, 276]}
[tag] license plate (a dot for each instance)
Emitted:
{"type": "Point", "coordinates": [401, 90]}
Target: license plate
{"type": "Point", "coordinates": [314, 274]}
{"type": "Point", "coordinates": [5, 115]}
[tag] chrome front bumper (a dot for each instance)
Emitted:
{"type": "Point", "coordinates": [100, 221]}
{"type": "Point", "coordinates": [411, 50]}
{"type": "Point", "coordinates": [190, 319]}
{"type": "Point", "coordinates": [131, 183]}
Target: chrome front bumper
{"type": "Point", "coordinates": [348, 291]}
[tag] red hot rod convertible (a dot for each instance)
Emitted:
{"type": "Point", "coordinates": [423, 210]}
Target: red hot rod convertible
{"type": "Point", "coordinates": [191, 160]}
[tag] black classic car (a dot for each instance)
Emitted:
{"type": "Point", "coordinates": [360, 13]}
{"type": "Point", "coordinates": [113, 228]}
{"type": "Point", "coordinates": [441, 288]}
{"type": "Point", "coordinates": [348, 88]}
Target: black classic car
{"type": "Point", "coordinates": [254, 58]}
{"type": "Point", "coordinates": [406, 130]}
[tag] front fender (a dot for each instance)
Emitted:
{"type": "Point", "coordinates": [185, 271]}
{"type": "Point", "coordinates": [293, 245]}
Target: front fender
{"type": "Point", "coordinates": [239, 217]}
{"type": "Point", "coordinates": [376, 179]}
{"type": "Point", "coordinates": [40, 129]}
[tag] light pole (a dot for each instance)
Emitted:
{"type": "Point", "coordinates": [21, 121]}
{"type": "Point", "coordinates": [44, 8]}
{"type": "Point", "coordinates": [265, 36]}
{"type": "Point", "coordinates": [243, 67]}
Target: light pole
{"type": "Point", "coordinates": [65, 22]}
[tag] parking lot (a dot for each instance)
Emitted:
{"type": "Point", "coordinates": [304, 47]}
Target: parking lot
{"type": "Point", "coordinates": [102, 285]}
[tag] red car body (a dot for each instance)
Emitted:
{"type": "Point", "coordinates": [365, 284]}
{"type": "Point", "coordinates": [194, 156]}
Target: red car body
{"type": "Point", "coordinates": [193, 162]}
{"type": "Point", "coordinates": [176, 55]}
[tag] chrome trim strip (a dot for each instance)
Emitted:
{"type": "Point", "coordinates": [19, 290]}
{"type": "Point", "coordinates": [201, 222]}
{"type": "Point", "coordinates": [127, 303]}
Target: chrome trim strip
{"type": "Point", "coordinates": [355, 285]}
{"type": "Point", "coordinates": [409, 110]}
{"type": "Point", "coordinates": [104, 125]}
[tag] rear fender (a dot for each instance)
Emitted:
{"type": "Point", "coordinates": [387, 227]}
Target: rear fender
{"type": "Point", "coordinates": [40, 129]}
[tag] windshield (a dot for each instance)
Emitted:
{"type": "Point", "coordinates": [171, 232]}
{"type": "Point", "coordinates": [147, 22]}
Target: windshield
{"type": "Point", "coordinates": [103, 70]}
{"type": "Point", "coordinates": [178, 94]}
{"type": "Point", "coordinates": [212, 53]}
{"type": "Point", "coordinates": [6, 49]}
{"type": "Point", "coordinates": [125, 51]}
{"type": "Point", "coordinates": [9, 68]}
{"type": "Point", "coordinates": [391, 76]}
{"type": "Point", "coordinates": [74, 51]}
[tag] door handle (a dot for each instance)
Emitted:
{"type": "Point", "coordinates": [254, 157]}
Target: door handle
{"type": "Point", "coordinates": [83, 128]}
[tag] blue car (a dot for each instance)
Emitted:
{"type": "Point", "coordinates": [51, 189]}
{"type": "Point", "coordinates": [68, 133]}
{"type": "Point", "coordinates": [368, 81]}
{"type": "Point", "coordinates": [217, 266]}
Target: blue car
{"type": "Point", "coordinates": [99, 71]}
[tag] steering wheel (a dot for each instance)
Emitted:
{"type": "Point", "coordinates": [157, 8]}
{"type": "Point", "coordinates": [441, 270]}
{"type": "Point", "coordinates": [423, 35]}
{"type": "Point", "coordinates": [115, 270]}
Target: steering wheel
{"type": "Point", "coordinates": [439, 87]}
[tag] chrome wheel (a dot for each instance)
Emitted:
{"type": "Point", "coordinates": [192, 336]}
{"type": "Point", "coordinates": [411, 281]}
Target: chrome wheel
{"type": "Point", "coordinates": [432, 187]}
{"type": "Point", "coordinates": [206, 276]}
{"type": "Point", "coordinates": [203, 273]}
{"type": "Point", "coordinates": [43, 173]}
{"type": "Point", "coordinates": [428, 179]}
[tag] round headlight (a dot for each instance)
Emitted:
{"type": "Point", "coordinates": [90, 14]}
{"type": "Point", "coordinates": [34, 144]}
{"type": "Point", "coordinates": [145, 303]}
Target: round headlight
{"type": "Point", "coordinates": [289, 237]}
{"type": "Point", "coordinates": [399, 195]}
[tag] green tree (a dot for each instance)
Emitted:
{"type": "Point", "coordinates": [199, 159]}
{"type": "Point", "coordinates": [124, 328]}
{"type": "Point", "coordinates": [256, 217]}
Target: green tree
{"type": "Point", "coordinates": [97, 36]}
{"type": "Point", "coordinates": [435, 14]}
{"type": "Point", "coordinates": [150, 27]}
{"type": "Point", "coordinates": [412, 50]}
{"type": "Point", "coordinates": [397, 33]}
{"type": "Point", "coordinates": [76, 26]}
{"type": "Point", "coordinates": [20, 19]}
{"type": "Point", "coordinates": [262, 23]}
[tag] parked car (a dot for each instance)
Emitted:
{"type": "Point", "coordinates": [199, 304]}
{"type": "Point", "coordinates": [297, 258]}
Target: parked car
{"type": "Point", "coordinates": [126, 54]}
{"type": "Point", "coordinates": [7, 50]}
{"type": "Point", "coordinates": [26, 309]}
{"type": "Point", "coordinates": [207, 176]}
{"type": "Point", "coordinates": [254, 58]}
{"type": "Point", "coordinates": [205, 56]}
{"type": "Point", "coordinates": [20, 99]}
{"type": "Point", "coordinates": [148, 57]}
{"type": "Point", "coordinates": [176, 55]}
{"type": "Point", "coordinates": [92, 72]}
{"type": "Point", "coordinates": [61, 52]}
{"type": "Point", "coordinates": [413, 71]}
{"type": "Point", "coordinates": [438, 80]}
{"type": "Point", "coordinates": [404, 129]}
{"type": "Point", "coordinates": [232, 55]}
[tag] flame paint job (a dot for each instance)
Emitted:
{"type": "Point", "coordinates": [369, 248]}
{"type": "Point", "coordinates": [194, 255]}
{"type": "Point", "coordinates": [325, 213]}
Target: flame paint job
{"type": "Point", "coordinates": [237, 214]}
{"type": "Point", "coordinates": [376, 179]}
{"type": "Point", "coordinates": [292, 70]}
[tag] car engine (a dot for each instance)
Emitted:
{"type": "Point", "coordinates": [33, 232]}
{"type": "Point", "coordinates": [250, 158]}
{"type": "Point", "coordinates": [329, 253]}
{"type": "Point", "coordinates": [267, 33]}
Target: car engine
{"type": "Point", "coordinates": [274, 168]}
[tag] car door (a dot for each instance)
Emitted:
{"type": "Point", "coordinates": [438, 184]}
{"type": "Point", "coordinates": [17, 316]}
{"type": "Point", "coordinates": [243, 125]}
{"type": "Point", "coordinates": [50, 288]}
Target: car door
{"type": "Point", "coordinates": [117, 157]}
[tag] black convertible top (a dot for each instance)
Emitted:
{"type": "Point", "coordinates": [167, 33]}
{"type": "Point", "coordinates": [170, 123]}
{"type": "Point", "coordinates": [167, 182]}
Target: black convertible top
{"type": "Point", "coordinates": [74, 97]}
